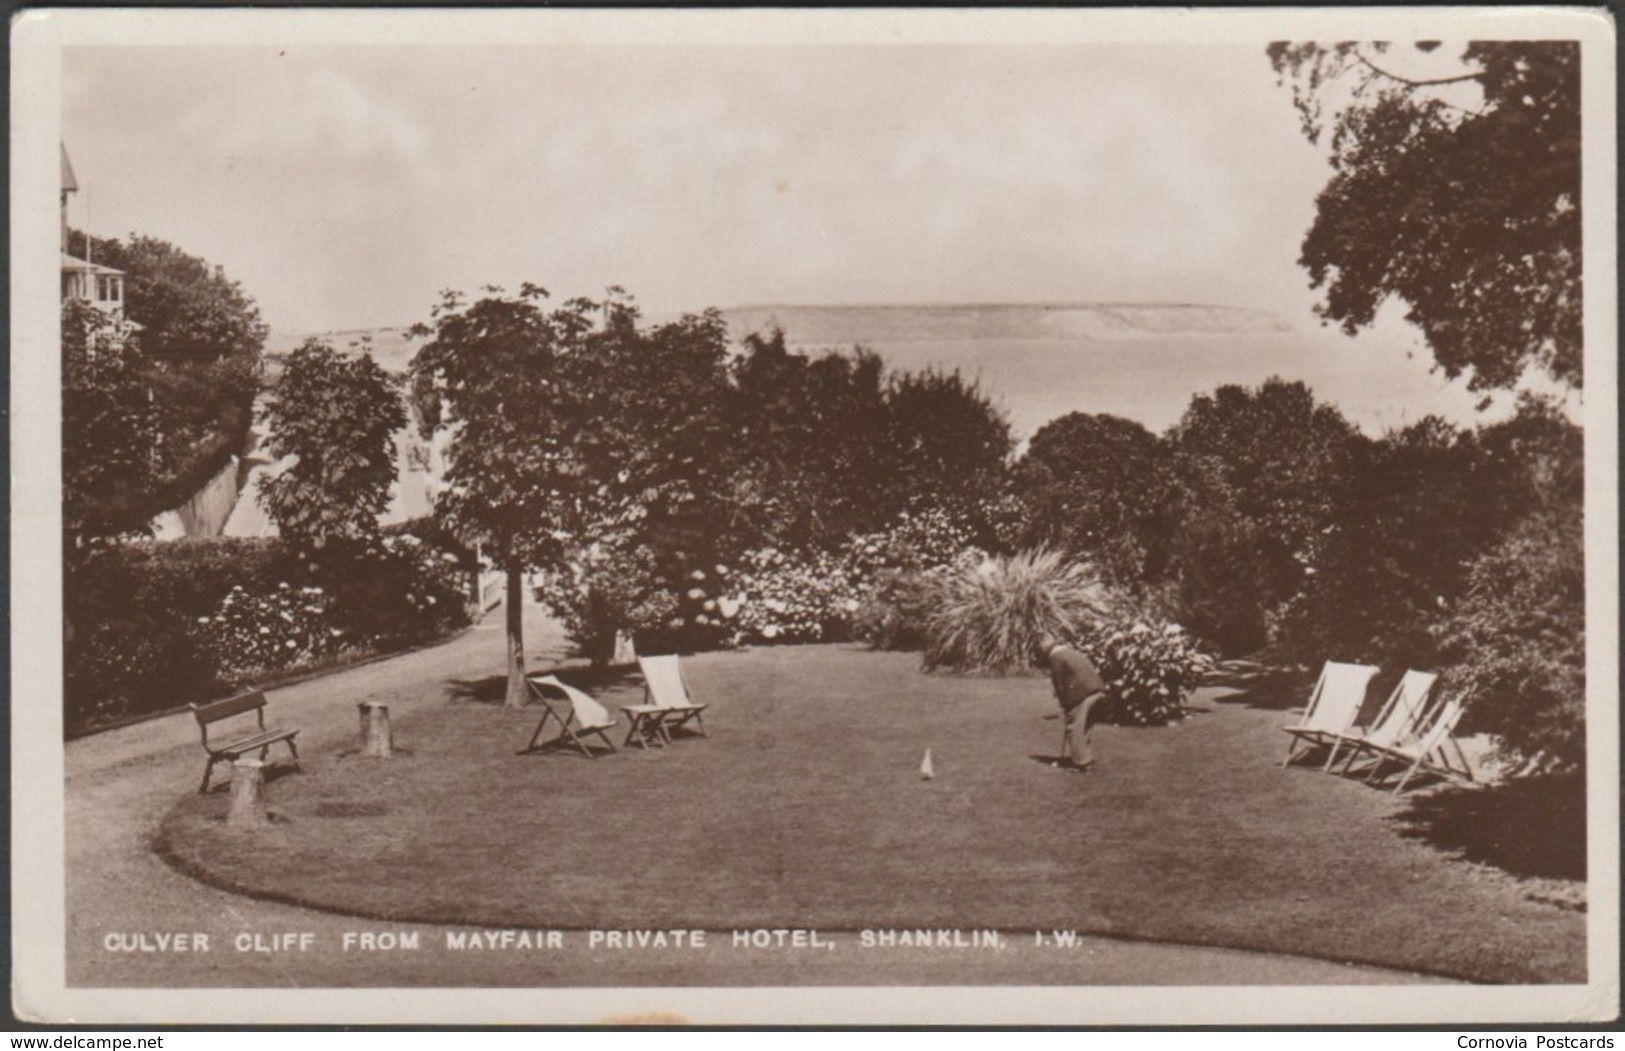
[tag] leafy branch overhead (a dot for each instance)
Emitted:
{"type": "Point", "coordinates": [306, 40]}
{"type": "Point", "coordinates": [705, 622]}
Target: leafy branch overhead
{"type": "Point", "coordinates": [1455, 189]}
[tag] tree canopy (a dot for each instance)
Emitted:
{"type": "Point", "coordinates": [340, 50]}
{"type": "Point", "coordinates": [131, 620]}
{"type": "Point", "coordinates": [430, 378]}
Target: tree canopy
{"type": "Point", "coordinates": [109, 427]}
{"type": "Point", "coordinates": [1103, 487]}
{"type": "Point", "coordinates": [1457, 192]}
{"type": "Point", "coordinates": [570, 431]}
{"type": "Point", "coordinates": [337, 417]}
{"type": "Point", "coordinates": [188, 309]}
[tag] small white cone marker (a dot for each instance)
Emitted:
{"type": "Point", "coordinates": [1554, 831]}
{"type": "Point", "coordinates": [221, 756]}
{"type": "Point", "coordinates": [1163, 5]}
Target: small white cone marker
{"type": "Point", "coordinates": [927, 771]}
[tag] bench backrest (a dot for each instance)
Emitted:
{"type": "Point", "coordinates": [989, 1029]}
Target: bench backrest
{"type": "Point", "coordinates": [214, 711]}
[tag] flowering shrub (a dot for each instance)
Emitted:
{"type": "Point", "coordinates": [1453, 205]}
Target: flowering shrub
{"type": "Point", "coordinates": [894, 615]}
{"type": "Point", "coordinates": [1149, 667]}
{"type": "Point", "coordinates": [153, 625]}
{"type": "Point", "coordinates": [398, 590]}
{"type": "Point", "coordinates": [605, 590]}
{"type": "Point", "coordinates": [778, 597]}
{"type": "Point", "coordinates": [867, 589]}
{"type": "Point", "coordinates": [288, 628]}
{"type": "Point", "coordinates": [989, 617]}
{"type": "Point", "coordinates": [914, 540]}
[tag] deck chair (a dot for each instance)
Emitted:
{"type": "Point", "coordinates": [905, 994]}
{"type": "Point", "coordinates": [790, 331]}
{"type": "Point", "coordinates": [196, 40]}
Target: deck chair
{"type": "Point", "coordinates": [667, 703]}
{"type": "Point", "coordinates": [1401, 714]}
{"type": "Point", "coordinates": [1431, 749]}
{"type": "Point", "coordinates": [1333, 706]}
{"type": "Point", "coordinates": [584, 717]}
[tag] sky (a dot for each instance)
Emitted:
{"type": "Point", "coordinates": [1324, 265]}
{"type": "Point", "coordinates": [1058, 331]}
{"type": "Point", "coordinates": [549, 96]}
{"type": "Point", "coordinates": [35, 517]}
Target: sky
{"type": "Point", "coordinates": [344, 187]}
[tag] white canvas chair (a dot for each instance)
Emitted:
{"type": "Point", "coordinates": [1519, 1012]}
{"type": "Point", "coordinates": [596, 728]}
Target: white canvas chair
{"type": "Point", "coordinates": [1333, 706]}
{"type": "Point", "coordinates": [1431, 749]}
{"type": "Point", "coordinates": [668, 704]}
{"type": "Point", "coordinates": [584, 718]}
{"type": "Point", "coordinates": [1395, 724]}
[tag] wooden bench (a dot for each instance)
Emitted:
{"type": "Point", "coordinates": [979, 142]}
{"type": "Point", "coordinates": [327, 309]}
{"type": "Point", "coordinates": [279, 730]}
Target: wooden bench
{"type": "Point", "coordinates": [259, 741]}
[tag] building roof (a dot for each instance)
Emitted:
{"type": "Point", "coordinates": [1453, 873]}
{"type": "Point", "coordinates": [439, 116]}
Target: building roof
{"type": "Point", "coordinates": [69, 183]}
{"type": "Point", "coordinates": [74, 263]}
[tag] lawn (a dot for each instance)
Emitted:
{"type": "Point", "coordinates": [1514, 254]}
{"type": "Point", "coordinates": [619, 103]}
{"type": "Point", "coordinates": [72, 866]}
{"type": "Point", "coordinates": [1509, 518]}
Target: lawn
{"type": "Point", "coordinates": [805, 808]}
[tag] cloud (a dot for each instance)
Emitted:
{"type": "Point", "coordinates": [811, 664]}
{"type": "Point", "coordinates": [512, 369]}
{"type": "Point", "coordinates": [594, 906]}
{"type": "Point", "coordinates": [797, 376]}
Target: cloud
{"type": "Point", "coordinates": [313, 118]}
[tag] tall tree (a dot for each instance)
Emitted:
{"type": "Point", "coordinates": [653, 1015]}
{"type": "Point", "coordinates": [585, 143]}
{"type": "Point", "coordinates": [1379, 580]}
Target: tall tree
{"type": "Point", "coordinates": [569, 429]}
{"type": "Point", "coordinates": [337, 417]}
{"type": "Point", "coordinates": [200, 342]}
{"type": "Point", "coordinates": [946, 442]}
{"type": "Point", "coordinates": [1103, 487]}
{"type": "Point", "coordinates": [492, 376]}
{"type": "Point", "coordinates": [1269, 466]}
{"type": "Point", "coordinates": [109, 426]}
{"type": "Point", "coordinates": [1455, 190]}
{"type": "Point", "coordinates": [813, 464]}
{"type": "Point", "coordinates": [189, 310]}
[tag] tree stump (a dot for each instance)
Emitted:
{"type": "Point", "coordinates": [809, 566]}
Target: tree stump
{"type": "Point", "coordinates": [247, 795]}
{"type": "Point", "coordinates": [377, 738]}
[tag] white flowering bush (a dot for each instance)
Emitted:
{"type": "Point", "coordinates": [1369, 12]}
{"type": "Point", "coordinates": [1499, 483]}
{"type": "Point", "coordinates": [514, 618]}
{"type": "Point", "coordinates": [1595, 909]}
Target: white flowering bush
{"type": "Point", "coordinates": [865, 589]}
{"type": "Point", "coordinates": [287, 628]}
{"type": "Point", "coordinates": [914, 540]}
{"type": "Point", "coordinates": [775, 596]}
{"type": "Point", "coordinates": [604, 590]}
{"type": "Point", "coordinates": [1149, 665]}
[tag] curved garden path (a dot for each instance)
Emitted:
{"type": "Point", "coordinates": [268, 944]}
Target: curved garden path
{"type": "Point", "coordinates": [121, 783]}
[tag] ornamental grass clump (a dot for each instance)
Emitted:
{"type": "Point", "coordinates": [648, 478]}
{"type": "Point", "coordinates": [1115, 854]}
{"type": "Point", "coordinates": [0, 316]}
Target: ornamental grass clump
{"type": "Point", "coordinates": [991, 617]}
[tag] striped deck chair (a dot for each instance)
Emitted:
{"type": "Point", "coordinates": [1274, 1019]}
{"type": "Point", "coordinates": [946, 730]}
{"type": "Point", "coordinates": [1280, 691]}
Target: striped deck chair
{"type": "Point", "coordinates": [1401, 714]}
{"type": "Point", "coordinates": [1431, 750]}
{"type": "Point", "coordinates": [583, 718]}
{"type": "Point", "coordinates": [1333, 706]}
{"type": "Point", "coordinates": [668, 704]}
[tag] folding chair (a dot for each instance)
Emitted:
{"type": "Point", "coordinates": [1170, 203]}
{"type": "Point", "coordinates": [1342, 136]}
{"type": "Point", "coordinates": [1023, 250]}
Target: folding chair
{"type": "Point", "coordinates": [1401, 714]}
{"type": "Point", "coordinates": [667, 703]}
{"type": "Point", "coordinates": [584, 717]}
{"type": "Point", "coordinates": [1333, 706]}
{"type": "Point", "coordinates": [1430, 751]}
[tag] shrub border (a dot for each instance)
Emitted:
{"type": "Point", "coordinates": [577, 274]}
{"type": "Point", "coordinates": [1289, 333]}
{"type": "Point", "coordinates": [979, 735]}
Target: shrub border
{"type": "Point", "coordinates": [276, 682]}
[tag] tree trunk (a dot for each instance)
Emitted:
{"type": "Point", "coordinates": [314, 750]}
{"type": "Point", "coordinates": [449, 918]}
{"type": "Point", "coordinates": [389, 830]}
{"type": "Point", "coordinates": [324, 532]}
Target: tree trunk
{"type": "Point", "coordinates": [516, 695]}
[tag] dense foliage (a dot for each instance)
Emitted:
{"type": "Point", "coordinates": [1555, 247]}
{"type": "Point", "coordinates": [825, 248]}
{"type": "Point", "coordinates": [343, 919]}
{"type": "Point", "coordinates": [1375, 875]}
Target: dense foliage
{"type": "Point", "coordinates": [1516, 642]}
{"type": "Point", "coordinates": [109, 427]}
{"type": "Point", "coordinates": [1267, 468]}
{"type": "Point", "coordinates": [571, 430]}
{"type": "Point", "coordinates": [1150, 667]}
{"type": "Point", "coordinates": [155, 625]}
{"type": "Point", "coordinates": [830, 445]}
{"type": "Point", "coordinates": [1455, 190]}
{"type": "Point", "coordinates": [336, 417]}
{"type": "Point", "coordinates": [189, 311]}
{"type": "Point", "coordinates": [1102, 488]}
{"type": "Point", "coordinates": [194, 361]}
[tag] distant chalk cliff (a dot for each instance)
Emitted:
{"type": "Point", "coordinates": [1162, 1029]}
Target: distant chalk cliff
{"type": "Point", "coordinates": [898, 323]}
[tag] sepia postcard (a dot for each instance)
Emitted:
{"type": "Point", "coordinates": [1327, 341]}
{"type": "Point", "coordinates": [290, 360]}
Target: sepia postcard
{"type": "Point", "coordinates": [721, 517]}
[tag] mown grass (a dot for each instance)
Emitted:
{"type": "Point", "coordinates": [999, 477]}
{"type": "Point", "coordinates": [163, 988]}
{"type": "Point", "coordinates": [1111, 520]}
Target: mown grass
{"type": "Point", "coordinates": [805, 808]}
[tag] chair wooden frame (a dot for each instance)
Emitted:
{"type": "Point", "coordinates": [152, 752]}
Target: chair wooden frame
{"type": "Point", "coordinates": [1333, 706]}
{"type": "Point", "coordinates": [1431, 750]}
{"type": "Point", "coordinates": [585, 717]}
{"type": "Point", "coordinates": [1397, 722]}
{"type": "Point", "coordinates": [668, 704]}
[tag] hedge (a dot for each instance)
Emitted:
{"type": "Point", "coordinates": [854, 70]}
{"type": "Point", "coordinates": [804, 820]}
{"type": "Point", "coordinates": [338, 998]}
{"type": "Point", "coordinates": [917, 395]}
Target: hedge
{"type": "Point", "coordinates": [151, 626]}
